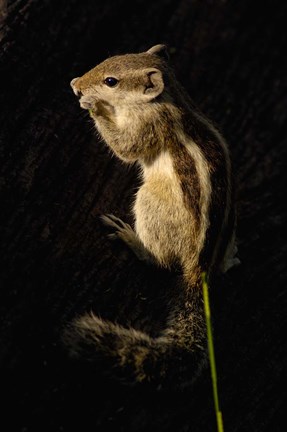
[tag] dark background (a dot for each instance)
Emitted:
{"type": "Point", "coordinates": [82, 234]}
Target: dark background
{"type": "Point", "coordinates": [56, 178]}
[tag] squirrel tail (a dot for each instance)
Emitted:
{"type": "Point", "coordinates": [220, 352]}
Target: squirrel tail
{"type": "Point", "coordinates": [132, 355]}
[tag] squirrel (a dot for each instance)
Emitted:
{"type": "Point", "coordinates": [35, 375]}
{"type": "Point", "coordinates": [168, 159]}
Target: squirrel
{"type": "Point", "coordinates": [184, 210]}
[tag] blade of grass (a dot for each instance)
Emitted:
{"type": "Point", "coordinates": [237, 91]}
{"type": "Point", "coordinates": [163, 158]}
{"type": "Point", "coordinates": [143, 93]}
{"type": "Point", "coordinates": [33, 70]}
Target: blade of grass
{"type": "Point", "coordinates": [218, 413]}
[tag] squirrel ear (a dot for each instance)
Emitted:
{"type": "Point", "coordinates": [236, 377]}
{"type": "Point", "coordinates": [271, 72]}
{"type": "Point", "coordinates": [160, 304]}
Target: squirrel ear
{"type": "Point", "coordinates": [159, 50]}
{"type": "Point", "coordinates": [154, 82]}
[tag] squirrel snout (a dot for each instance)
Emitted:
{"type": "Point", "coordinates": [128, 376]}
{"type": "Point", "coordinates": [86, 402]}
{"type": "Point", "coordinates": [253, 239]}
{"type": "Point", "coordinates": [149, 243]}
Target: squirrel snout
{"type": "Point", "coordinates": [77, 92]}
{"type": "Point", "coordinates": [87, 101]}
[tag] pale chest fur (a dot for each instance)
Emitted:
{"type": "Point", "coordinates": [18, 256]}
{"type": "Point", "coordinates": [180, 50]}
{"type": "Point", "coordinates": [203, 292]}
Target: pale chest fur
{"type": "Point", "coordinates": [163, 223]}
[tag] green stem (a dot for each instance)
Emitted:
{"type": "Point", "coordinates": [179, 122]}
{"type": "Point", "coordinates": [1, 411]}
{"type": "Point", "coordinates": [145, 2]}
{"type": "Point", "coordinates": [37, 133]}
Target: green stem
{"type": "Point", "coordinates": [218, 413]}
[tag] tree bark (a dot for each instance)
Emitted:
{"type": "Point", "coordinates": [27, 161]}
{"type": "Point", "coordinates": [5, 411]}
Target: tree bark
{"type": "Point", "coordinates": [57, 177]}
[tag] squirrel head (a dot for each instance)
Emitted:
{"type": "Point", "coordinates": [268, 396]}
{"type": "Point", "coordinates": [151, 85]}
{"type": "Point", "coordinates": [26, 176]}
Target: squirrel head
{"type": "Point", "coordinates": [124, 79]}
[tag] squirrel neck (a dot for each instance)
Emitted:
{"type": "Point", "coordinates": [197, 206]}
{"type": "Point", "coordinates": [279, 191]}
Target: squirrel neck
{"type": "Point", "coordinates": [165, 128]}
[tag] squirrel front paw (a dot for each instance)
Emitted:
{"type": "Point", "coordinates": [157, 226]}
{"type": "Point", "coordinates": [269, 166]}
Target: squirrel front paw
{"type": "Point", "coordinates": [123, 230]}
{"type": "Point", "coordinates": [101, 109]}
{"type": "Point", "coordinates": [125, 233]}
{"type": "Point", "coordinates": [97, 108]}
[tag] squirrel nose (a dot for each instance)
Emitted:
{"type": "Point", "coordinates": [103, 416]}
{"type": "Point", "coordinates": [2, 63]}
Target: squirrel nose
{"type": "Point", "coordinates": [75, 90]}
{"type": "Point", "coordinates": [73, 82]}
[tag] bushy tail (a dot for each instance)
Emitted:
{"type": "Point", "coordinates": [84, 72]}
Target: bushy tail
{"type": "Point", "coordinates": [133, 356]}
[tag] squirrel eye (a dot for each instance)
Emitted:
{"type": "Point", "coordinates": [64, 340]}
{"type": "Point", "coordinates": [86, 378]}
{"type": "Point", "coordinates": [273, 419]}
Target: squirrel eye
{"type": "Point", "coordinates": [111, 81]}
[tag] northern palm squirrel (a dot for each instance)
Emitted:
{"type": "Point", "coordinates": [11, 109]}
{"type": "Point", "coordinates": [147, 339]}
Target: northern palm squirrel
{"type": "Point", "coordinates": [184, 210]}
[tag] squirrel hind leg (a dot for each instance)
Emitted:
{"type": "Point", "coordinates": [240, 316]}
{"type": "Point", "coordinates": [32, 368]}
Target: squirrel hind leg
{"type": "Point", "coordinates": [230, 263]}
{"type": "Point", "coordinates": [230, 259]}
